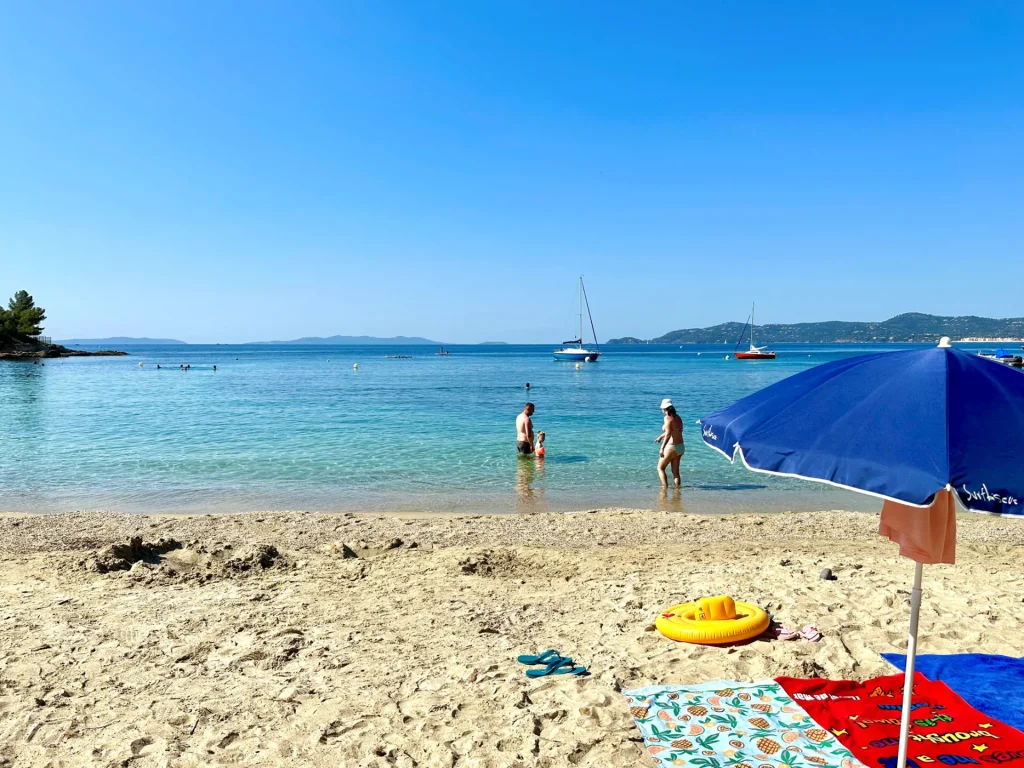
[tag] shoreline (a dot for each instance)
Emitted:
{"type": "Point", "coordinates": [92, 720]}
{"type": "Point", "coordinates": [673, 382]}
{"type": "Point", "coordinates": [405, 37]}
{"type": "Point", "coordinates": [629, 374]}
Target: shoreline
{"type": "Point", "coordinates": [519, 500]}
{"type": "Point", "coordinates": [305, 529]}
{"type": "Point", "coordinates": [303, 639]}
{"type": "Point", "coordinates": [53, 351]}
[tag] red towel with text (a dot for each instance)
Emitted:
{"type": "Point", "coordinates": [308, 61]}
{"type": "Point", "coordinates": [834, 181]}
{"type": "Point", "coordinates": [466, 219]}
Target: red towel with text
{"type": "Point", "coordinates": [944, 729]}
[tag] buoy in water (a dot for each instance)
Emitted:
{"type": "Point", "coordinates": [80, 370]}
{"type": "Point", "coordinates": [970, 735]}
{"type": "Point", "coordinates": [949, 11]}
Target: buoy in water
{"type": "Point", "coordinates": [698, 354]}
{"type": "Point", "coordinates": [140, 365]}
{"type": "Point", "coordinates": [577, 366]}
{"type": "Point", "coordinates": [726, 357]}
{"type": "Point", "coordinates": [355, 366]}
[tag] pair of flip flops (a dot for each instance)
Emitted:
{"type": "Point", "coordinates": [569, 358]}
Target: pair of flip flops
{"type": "Point", "coordinates": [553, 663]}
{"type": "Point", "coordinates": [810, 633]}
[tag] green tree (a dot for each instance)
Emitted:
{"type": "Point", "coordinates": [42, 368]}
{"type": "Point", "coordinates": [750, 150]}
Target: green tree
{"type": "Point", "coordinates": [21, 321]}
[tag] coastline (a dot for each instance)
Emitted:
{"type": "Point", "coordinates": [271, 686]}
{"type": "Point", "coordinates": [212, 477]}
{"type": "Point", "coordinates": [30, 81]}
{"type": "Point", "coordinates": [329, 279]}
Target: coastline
{"type": "Point", "coordinates": [525, 498]}
{"type": "Point", "coordinates": [262, 640]}
{"type": "Point", "coordinates": [52, 351]}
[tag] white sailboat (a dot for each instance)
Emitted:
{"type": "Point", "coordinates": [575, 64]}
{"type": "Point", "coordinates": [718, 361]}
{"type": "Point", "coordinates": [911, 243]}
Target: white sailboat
{"type": "Point", "coordinates": [578, 353]}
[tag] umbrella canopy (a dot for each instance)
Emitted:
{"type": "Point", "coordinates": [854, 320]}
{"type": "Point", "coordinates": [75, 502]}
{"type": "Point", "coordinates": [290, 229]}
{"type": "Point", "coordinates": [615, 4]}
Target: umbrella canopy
{"type": "Point", "coordinates": [898, 425]}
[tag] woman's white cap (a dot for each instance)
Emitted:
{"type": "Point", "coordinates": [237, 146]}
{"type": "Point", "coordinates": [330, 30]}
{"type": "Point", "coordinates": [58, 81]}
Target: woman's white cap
{"type": "Point", "coordinates": [665, 403]}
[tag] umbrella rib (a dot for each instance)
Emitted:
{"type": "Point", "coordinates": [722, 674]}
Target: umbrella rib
{"type": "Point", "coordinates": [833, 483]}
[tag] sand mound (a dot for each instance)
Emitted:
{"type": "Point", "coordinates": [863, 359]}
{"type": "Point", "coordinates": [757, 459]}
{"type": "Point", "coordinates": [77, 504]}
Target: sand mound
{"type": "Point", "coordinates": [168, 559]}
{"type": "Point", "coordinates": [257, 557]}
{"type": "Point", "coordinates": [515, 564]}
{"type": "Point", "coordinates": [490, 563]}
{"type": "Point", "coordinates": [121, 557]}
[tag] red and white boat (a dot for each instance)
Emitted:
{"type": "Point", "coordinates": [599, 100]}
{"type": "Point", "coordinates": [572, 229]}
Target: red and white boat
{"type": "Point", "coordinates": [754, 353]}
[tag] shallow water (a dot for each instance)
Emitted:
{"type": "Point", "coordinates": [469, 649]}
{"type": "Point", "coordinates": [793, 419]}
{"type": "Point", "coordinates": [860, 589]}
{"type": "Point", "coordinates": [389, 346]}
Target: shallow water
{"type": "Point", "coordinates": [289, 427]}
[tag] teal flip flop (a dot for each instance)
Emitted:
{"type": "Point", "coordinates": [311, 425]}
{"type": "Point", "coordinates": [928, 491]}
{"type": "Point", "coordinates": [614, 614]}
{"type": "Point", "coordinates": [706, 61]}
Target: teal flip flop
{"type": "Point", "coordinates": [560, 666]}
{"type": "Point", "coordinates": [542, 658]}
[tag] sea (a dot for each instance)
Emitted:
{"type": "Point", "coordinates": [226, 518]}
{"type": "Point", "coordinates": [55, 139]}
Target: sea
{"type": "Point", "coordinates": [357, 429]}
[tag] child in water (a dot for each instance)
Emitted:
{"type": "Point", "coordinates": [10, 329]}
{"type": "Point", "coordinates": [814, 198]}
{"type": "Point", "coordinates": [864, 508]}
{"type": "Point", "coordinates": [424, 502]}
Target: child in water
{"type": "Point", "coordinates": [540, 444]}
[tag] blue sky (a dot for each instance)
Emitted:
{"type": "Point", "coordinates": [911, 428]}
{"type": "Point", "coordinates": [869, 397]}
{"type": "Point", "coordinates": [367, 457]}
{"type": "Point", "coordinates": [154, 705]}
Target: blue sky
{"type": "Point", "coordinates": [233, 172]}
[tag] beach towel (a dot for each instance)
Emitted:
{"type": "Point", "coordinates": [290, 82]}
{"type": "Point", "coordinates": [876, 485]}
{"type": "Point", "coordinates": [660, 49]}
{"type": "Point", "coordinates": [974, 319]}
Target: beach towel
{"type": "Point", "coordinates": [925, 535]}
{"type": "Point", "coordinates": [944, 730]}
{"type": "Point", "coordinates": [991, 684]}
{"type": "Point", "coordinates": [727, 724]}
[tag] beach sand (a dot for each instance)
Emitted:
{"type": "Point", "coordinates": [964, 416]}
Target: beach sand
{"type": "Point", "coordinates": [263, 641]}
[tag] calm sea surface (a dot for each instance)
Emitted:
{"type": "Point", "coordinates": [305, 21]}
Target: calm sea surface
{"type": "Point", "coordinates": [291, 427]}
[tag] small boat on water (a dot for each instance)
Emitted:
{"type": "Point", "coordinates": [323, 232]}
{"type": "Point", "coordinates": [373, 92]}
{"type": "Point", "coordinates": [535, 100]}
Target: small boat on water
{"type": "Point", "coordinates": [754, 353]}
{"type": "Point", "coordinates": [1004, 357]}
{"type": "Point", "coordinates": [398, 357]}
{"type": "Point", "coordinates": [443, 353]}
{"type": "Point", "coordinates": [577, 352]}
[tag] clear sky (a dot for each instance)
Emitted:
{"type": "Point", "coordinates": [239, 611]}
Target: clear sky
{"type": "Point", "coordinates": [218, 171]}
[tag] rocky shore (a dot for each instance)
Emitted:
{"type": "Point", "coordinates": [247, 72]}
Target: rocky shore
{"type": "Point", "coordinates": [35, 352]}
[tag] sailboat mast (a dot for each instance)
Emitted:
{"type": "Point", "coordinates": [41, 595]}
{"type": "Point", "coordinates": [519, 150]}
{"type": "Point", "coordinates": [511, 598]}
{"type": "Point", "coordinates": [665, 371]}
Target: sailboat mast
{"type": "Point", "coordinates": [593, 330]}
{"type": "Point", "coordinates": [581, 311]}
{"type": "Point", "coordinates": [751, 325]}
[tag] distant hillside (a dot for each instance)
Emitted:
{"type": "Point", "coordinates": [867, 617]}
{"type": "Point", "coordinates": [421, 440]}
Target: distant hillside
{"type": "Point", "coordinates": [119, 341]}
{"type": "Point", "coordinates": [912, 326]}
{"type": "Point", "coordinates": [353, 340]}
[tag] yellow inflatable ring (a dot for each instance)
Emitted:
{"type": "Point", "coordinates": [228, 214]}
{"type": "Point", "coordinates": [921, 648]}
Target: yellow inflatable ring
{"type": "Point", "coordinates": [713, 621]}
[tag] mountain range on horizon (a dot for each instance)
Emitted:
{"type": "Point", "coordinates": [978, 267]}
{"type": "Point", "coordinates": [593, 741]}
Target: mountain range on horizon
{"type": "Point", "coordinates": [327, 340]}
{"type": "Point", "coordinates": [324, 340]}
{"type": "Point", "coordinates": [908, 327]}
{"type": "Point", "coordinates": [118, 340]}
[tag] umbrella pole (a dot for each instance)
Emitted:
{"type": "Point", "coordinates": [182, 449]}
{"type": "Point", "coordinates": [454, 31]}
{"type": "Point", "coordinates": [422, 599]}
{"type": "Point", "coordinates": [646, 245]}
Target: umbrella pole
{"type": "Point", "coordinates": [908, 679]}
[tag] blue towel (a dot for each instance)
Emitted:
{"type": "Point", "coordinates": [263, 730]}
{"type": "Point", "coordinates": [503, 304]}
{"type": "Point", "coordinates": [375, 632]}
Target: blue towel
{"type": "Point", "coordinates": [989, 683]}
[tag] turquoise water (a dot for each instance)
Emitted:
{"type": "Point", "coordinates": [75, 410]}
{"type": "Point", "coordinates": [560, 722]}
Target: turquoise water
{"type": "Point", "coordinates": [285, 427]}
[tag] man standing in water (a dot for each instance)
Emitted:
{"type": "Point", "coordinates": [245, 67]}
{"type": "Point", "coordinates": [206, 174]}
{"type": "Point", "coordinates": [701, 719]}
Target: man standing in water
{"type": "Point", "coordinates": [524, 431]}
{"type": "Point", "coordinates": [671, 439]}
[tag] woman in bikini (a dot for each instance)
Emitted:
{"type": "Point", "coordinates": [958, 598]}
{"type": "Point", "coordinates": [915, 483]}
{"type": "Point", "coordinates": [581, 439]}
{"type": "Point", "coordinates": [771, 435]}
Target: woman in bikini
{"type": "Point", "coordinates": [671, 439]}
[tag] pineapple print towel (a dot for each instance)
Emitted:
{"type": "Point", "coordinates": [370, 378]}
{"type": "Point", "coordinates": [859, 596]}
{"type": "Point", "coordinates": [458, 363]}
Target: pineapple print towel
{"type": "Point", "coordinates": [732, 725]}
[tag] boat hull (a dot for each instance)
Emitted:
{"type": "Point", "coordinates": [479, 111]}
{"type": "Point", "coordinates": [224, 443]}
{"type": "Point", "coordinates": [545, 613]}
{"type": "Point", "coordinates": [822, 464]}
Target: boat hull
{"type": "Point", "coordinates": [754, 355]}
{"type": "Point", "coordinates": [577, 355]}
{"type": "Point", "coordinates": [1015, 361]}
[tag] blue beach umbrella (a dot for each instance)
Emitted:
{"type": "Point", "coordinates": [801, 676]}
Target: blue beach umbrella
{"type": "Point", "coordinates": [895, 425]}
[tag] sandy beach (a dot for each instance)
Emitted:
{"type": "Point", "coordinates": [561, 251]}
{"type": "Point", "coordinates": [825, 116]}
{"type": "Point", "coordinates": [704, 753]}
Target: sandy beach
{"type": "Point", "coordinates": [293, 639]}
